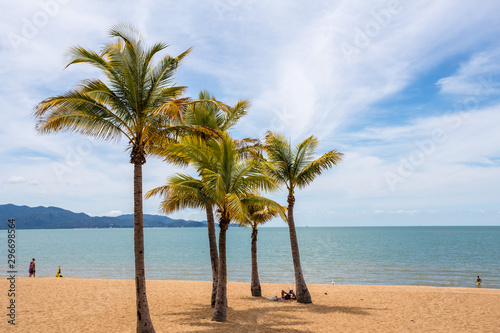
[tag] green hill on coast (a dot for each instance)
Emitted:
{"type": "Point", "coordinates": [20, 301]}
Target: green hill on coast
{"type": "Point", "coordinates": [58, 218]}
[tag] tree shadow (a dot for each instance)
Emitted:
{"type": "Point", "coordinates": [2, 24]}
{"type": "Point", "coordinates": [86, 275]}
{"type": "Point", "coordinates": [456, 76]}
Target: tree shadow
{"type": "Point", "coordinates": [243, 320]}
{"type": "Point", "coordinates": [326, 309]}
{"type": "Point", "coordinates": [285, 316]}
{"type": "Point", "coordinates": [319, 308]}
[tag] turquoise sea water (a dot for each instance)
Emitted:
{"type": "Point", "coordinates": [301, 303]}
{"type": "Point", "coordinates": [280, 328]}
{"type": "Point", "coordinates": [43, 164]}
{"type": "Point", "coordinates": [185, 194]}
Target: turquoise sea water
{"type": "Point", "coordinates": [428, 256]}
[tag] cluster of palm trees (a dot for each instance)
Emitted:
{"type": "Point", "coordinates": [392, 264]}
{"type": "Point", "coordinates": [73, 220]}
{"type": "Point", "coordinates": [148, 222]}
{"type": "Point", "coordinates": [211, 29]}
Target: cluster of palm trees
{"type": "Point", "coordinates": [139, 101]}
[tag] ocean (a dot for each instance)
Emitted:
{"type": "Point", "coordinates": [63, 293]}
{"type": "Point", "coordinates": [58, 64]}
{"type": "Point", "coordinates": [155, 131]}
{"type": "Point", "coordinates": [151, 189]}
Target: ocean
{"type": "Point", "coordinates": [421, 256]}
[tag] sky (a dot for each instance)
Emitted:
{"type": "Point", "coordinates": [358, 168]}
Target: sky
{"type": "Point", "coordinates": [409, 91]}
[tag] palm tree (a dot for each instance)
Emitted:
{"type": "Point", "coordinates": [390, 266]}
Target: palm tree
{"type": "Point", "coordinates": [296, 168]}
{"type": "Point", "coordinates": [256, 215]}
{"type": "Point", "coordinates": [229, 181]}
{"type": "Point", "coordinates": [139, 101]}
{"type": "Point", "coordinates": [207, 112]}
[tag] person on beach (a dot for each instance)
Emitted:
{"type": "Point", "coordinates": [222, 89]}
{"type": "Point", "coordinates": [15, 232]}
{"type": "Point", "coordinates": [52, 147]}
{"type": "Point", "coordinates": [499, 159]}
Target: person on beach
{"type": "Point", "coordinates": [284, 295]}
{"type": "Point", "coordinates": [58, 274]}
{"type": "Point", "coordinates": [288, 295]}
{"type": "Point", "coordinates": [478, 281]}
{"type": "Point", "coordinates": [32, 269]}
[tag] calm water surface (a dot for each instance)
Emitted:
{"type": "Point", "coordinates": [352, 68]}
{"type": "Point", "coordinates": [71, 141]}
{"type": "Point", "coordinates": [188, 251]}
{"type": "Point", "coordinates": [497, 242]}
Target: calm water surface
{"type": "Point", "coordinates": [430, 256]}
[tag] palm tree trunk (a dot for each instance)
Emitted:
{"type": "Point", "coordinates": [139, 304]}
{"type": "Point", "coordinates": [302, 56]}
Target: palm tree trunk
{"type": "Point", "coordinates": [220, 312]}
{"type": "Point", "coordinates": [255, 283]}
{"type": "Point", "coordinates": [144, 323]}
{"type": "Point", "coordinates": [303, 295]}
{"type": "Point", "coordinates": [214, 257]}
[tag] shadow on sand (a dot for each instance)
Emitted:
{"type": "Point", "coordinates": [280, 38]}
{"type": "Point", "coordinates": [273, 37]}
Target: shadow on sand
{"type": "Point", "coordinates": [256, 317]}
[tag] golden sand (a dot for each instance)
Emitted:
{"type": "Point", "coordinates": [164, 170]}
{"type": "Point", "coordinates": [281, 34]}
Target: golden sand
{"type": "Point", "coordinates": [90, 305]}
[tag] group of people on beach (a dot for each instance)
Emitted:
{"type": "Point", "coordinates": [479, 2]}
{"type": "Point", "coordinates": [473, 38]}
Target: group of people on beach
{"type": "Point", "coordinates": [32, 269]}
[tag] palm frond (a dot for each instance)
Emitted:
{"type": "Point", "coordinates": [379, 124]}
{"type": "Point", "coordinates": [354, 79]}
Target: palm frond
{"type": "Point", "coordinates": [151, 52]}
{"type": "Point", "coordinates": [303, 154]}
{"type": "Point", "coordinates": [161, 76]}
{"type": "Point", "coordinates": [181, 191]}
{"type": "Point", "coordinates": [279, 153]}
{"type": "Point", "coordinates": [249, 148]}
{"type": "Point", "coordinates": [234, 114]}
{"type": "Point", "coordinates": [158, 191]}
{"type": "Point", "coordinates": [236, 209]}
{"type": "Point", "coordinates": [261, 209]}
{"type": "Point", "coordinates": [78, 112]}
{"type": "Point", "coordinates": [78, 54]}
{"type": "Point", "coordinates": [315, 168]}
{"type": "Point", "coordinates": [214, 184]}
{"type": "Point", "coordinates": [125, 31]}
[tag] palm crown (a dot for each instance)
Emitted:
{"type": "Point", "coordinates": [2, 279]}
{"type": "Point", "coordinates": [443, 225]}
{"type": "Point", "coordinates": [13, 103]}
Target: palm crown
{"type": "Point", "coordinates": [258, 214]}
{"type": "Point", "coordinates": [211, 113]}
{"type": "Point", "coordinates": [139, 101]}
{"type": "Point", "coordinates": [296, 167]}
{"type": "Point", "coordinates": [228, 180]}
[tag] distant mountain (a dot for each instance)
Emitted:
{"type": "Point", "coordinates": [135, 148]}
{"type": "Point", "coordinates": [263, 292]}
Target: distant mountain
{"type": "Point", "coordinates": [58, 218]}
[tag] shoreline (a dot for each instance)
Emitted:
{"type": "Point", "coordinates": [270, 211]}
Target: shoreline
{"type": "Point", "coordinates": [483, 286]}
{"type": "Point", "coordinates": [46, 304]}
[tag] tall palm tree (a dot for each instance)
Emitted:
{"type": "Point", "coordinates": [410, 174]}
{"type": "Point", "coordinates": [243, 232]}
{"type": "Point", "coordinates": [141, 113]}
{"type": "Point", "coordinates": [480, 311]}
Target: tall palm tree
{"type": "Point", "coordinates": [209, 113]}
{"type": "Point", "coordinates": [296, 168]}
{"type": "Point", "coordinates": [230, 182]}
{"type": "Point", "coordinates": [257, 215]}
{"type": "Point", "coordinates": [138, 101]}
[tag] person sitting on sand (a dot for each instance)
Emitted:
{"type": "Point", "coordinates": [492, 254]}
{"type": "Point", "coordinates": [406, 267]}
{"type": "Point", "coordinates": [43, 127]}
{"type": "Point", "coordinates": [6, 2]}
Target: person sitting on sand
{"type": "Point", "coordinates": [478, 281]}
{"type": "Point", "coordinates": [58, 274]}
{"type": "Point", "coordinates": [288, 295]}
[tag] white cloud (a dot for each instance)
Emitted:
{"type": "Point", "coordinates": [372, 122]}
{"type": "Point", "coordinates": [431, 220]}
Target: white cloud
{"type": "Point", "coordinates": [114, 213]}
{"type": "Point", "coordinates": [311, 88]}
{"type": "Point", "coordinates": [16, 180]}
{"type": "Point", "coordinates": [401, 211]}
{"type": "Point", "coordinates": [478, 76]}
{"type": "Point", "coordinates": [461, 168]}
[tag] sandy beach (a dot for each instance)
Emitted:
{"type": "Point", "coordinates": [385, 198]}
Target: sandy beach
{"type": "Point", "coordinates": [47, 304]}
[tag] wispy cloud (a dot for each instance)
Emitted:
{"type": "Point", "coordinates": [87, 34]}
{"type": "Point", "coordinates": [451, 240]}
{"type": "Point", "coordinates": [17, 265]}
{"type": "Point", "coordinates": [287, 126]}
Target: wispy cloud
{"type": "Point", "coordinates": [478, 76]}
{"type": "Point", "coordinates": [16, 180]}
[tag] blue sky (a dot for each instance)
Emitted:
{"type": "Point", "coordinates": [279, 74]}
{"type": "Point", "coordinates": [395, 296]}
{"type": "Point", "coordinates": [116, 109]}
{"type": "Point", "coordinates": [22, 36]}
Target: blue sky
{"type": "Point", "coordinates": [409, 91]}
